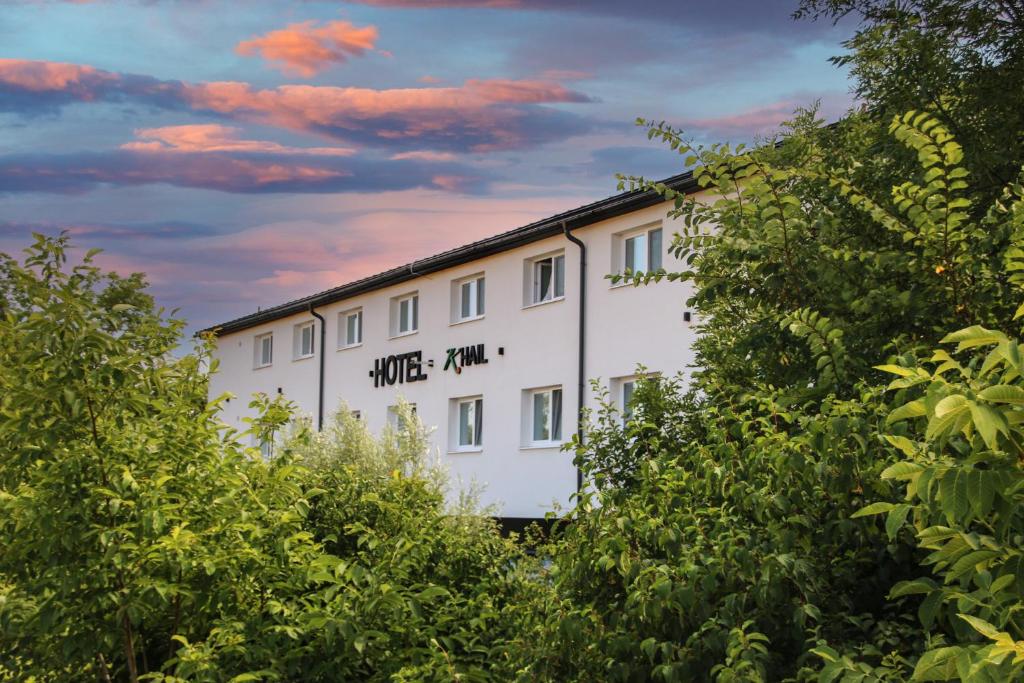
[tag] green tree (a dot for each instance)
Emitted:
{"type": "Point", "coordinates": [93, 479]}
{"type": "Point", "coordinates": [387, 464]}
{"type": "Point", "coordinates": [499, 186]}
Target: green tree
{"type": "Point", "coordinates": [741, 556]}
{"type": "Point", "coordinates": [962, 60]}
{"type": "Point", "coordinates": [137, 535]}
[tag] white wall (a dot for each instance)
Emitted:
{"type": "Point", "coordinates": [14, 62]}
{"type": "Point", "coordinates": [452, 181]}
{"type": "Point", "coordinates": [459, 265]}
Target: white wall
{"type": "Point", "coordinates": [626, 326]}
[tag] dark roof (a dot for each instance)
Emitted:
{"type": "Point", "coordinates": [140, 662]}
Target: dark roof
{"type": "Point", "coordinates": [609, 207]}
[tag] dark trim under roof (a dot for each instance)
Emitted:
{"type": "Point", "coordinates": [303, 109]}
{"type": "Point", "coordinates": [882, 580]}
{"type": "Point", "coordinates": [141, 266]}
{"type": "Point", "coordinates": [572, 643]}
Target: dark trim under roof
{"type": "Point", "coordinates": [548, 227]}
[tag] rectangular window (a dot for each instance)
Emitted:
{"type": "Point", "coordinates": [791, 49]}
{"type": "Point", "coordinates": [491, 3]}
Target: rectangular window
{"type": "Point", "coordinates": [628, 386]}
{"type": "Point", "coordinates": [548, 279]}
{"type": "Point", "coordinates": [266, 447]}
{"type": "Point", "coordinates": [546, 416]}
{"type": "Point", "coordinates": [406, 312]}
{"type": "Point", "coordinates": [470, 299]}
{"type": "Point", "coordinates": [471, 416]}
{"type": "Point", "coordinates": [350, 328]}
{"type": "Point", "coordinates": [303, 340]}
{"type": "Point", "coordinates": [357, 414]}
{"type": "Point", "coordinates": [642, 252]}
{"type": "Point", "coordinates": [263, 354]}
{"type": "Point", "coordinates": [396, 420]}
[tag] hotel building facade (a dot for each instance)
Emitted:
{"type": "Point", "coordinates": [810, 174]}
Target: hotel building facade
{"type": "Point", "coordinates": [494, 343]}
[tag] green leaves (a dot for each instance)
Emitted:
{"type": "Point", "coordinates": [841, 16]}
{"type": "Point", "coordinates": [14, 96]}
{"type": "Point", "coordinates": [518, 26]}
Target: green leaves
{"type": "Point", "coordinates": [825, 341]}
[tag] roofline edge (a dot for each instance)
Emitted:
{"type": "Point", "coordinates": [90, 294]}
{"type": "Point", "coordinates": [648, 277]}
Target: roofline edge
{"type": "Point", "coordinates": [609, 207]}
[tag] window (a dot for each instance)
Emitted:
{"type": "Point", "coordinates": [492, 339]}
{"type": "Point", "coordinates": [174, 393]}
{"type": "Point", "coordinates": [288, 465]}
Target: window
{"type": "Point", "coordinates": [628, 387]}
{"type": "Point", "coordinates": [469, 415]}
{"type": "Point", "coordinates": [548, 279]}
{"type": "Point", "coordinates": [396, 419]}
{"type": "Point", "coordinates": [358, 415]}
{"type": "Point", "coordinates": [468, 299]}
{"type": "Point", "coordinates": [302, 343]}
{"type": "Point", "coordinates": [405, 315]}
{"type": "Point", "coordinates": [350, 328]}
{"type": "Point", "coordinates": [263, 354]}
{"type": "Point", "coordinates": [642, 252]}
{"type": "Point", "coordinates": [545, 416]}
{"type": "Point", "coordinates": [266, 446]}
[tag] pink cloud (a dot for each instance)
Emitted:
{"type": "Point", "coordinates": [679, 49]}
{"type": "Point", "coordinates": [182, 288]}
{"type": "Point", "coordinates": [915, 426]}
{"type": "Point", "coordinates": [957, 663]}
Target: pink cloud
{"type": "Point", "coordinates": [766, 119]}
{"type": "Point", "coordinates": [428, 79]}
{"type": "Point", "coordinates": [481, 110]}
{"type": "Point", "coordinates": [305, 49]}
{"type": "Point", "coordinates": [424, 155]}
{"type": "Point", "coordinates": [212, 137]}
{"type": "Point", "coordinates": [479, 115]}
{"type": "Point", "coordinates": [229, 172]}
{"type": "Point", "coordinates": [754, 121]}
{"type": "Point", "coordinates": [44, 76]}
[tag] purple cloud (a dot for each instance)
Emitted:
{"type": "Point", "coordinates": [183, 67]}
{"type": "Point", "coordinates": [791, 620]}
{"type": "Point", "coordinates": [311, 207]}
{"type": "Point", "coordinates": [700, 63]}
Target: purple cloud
{"type": "Point", "coordinates": [478, 116]}
{"type": "Point", "coordinates": [241, 173]}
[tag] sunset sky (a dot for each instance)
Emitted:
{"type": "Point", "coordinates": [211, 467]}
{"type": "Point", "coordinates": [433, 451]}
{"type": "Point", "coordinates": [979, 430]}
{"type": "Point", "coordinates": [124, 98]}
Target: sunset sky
{"type": "Point", "coordinates": [246, 153]}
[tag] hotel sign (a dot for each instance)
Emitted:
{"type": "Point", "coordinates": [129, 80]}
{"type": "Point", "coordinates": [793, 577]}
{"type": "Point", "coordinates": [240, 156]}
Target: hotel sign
{"type": "Point", "coordinates": [400, 368]}
{"type": "Point", "coordinates": [405, 368]}
{"type": "Point", "coordinates": [464, 356]}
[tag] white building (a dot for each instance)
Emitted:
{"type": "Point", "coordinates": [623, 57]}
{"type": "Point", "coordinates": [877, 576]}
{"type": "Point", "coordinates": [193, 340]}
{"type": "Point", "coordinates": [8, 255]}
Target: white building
{"type": "Point", "coordinates": [493, 342]}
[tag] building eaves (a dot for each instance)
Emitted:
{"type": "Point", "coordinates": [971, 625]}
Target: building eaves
{"type": "Point", "coordinates": [609, 207]}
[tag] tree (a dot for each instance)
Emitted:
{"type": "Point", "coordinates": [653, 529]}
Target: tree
{"type": "Point", "coordinates": [962, 60]}
{"type": "Point", "coordinates": [141, 539]}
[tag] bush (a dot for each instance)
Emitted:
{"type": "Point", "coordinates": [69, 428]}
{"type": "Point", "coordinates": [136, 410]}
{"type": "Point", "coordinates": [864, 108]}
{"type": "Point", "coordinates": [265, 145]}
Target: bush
{"type": "Point", "coordinates": [141, 540]}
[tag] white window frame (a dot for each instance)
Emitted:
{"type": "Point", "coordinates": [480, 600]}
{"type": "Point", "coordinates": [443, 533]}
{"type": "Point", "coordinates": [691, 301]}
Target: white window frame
{"type": "Point", "coordinates": [555, 418]}
{"type": "Point", "coordinates": [343, 339]}
{"type": "Point", "coordinates": [265, 447]}
{"type": "Point", "coordinates": [470, 407]}
{"type": "Point", "coordinates": [534, 281]}
{"type": "Point", "coordinates": [258, 355]}
{"type": "Point", "coordinates": [476, 287]}
{"type": "Point", "coordinates": [648, 250]}
{"type": "Point", "coordinates": [298, 353]}
{"type": "Point", "coordinates": [627, 387]}
{"type": "Point", "coordinates": [393, 415]}
{"type": "Point", "coordinates": [411, 318]}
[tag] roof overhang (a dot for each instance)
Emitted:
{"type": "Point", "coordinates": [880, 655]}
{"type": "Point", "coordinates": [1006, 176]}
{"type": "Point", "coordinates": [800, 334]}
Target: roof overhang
{"type": "Point", "coordinates": [610, 207]}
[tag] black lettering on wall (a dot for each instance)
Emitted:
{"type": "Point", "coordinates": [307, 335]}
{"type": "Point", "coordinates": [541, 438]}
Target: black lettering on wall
{"type": "Point", "coordinates": [400, 368]}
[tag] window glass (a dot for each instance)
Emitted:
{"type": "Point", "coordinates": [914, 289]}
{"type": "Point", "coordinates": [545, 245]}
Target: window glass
{"type": "Point", "coordinates": [306, 340]}
{"type": "Point", "coordinates": [655, 249]}
{"type": "Point", "coordinates": [478, 420]}
{"type": "Point", "coordinates": [408, 314]}
{"type": "Point", "coordinates": [542, 280]}
{"type": "Point", "coordinates": [547, 415]}
{"type": "Point", "coordinates": [397, 420]}
{"type": "Point", "coordinates": [264, 350]}
{"type": "Point", "coordinates": [542, 416]}
{"type": "Point", "coordinates": [470, 422]}
{"type": "Point", "coordinates": [471, 299]}
{"type": "Point", "coordinates": [548, 279]}
{"type": "Point", "coordinates": [404, 315]}
{"type": "Point", "coordinates": [556, 415]}
{"type": "Point", "coordinates": [636, 254]}
{"type": "Point", "coordinates": [354, 328]}
{"type": "Point", "coordinates": [627, 398]}
{"type": "Point", "coordinates": [467, 294]}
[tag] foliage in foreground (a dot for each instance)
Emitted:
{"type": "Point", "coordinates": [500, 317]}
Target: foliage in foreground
{"type": "Point", "coordinates": [798, 516]}
{"type": "Point", "coordinates": [750, 554]}
{"type": "Point", "coordinates": [141, 540]}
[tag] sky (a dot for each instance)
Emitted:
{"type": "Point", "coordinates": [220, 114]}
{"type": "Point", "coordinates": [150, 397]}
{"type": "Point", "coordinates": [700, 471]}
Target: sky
{"type": "Point", "coordinates": [243, 154]}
